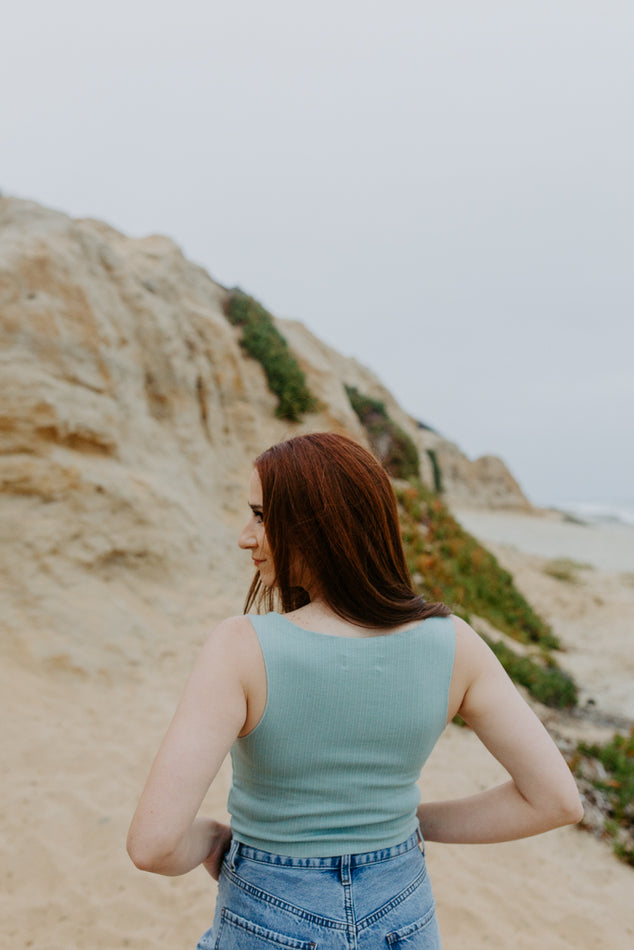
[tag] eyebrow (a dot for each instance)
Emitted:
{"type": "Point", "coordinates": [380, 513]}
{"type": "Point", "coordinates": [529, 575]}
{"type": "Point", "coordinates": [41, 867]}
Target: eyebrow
{"type": "Point", "coordinates": [255, 508]}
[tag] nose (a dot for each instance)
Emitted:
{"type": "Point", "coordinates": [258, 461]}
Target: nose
{"type": "Point", "coordinates": [247, 538]}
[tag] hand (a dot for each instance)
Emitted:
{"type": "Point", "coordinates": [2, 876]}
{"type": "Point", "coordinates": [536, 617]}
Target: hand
{"type": "Point", "coordinates": [220, 843]}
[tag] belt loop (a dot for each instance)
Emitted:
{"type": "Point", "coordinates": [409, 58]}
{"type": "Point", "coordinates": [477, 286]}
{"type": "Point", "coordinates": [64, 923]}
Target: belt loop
{"type": "Point", "coordinates": [420, 838]}
{"type": "Point", "coordinates": [345, 869]}
{"type": "Point", "coordinates": [231, 857]}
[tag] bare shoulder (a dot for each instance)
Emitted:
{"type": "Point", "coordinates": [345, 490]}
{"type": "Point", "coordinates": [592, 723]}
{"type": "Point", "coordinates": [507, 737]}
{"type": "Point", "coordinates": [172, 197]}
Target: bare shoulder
{"type": "Point", "coordinates": [233, 630]}
{"type": "Point", "coordinates": [233, 640]}
{"type": "Point", "coordinates": [486, 688]}
{"type": "Point", "coordinates": [464, 631]}
{"type": "Point", "coordinates": [473, 661]}
{"type": "Point", "coordinates": [470, 647]}
{"type": "Point", "coordinates": [232, 657]}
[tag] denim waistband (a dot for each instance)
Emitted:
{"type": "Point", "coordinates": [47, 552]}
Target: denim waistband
{"type": "Point", "coordinates": [351, 860]}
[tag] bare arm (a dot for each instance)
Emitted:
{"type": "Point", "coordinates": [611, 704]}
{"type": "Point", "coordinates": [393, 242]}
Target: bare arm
{"type": "Point", "coordinates": [165, 835]}
{"type": "Point", "coordinates": [541, 793]}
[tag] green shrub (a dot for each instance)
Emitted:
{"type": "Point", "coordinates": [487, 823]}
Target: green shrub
{"type": "Point", "coordinates": [617, 759]}
{"type": "Point", "coordinates": [262, 340]}
{"type": "Point", "coordinates": [392, 445]}
{"type": "Point", "coordinates": [563, 569]}
{"type": "Point", "coordinates": [433, 458]}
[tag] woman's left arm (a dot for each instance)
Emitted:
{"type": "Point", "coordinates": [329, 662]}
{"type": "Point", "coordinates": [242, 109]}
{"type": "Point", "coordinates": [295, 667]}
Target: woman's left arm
{"type": "Point", "coordinates": [165, 835]}
{"type": "Point", "coordinates": [541, 793]}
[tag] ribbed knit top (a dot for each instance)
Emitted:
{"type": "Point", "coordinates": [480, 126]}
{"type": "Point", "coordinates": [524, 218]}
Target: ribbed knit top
{"type": "Point", "coordinates": [331, 767]}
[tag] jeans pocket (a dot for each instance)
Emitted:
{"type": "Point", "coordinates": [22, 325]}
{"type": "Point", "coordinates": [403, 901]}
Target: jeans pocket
{"type": "Point", "coordinates": [421, 934]}
{"type": "Point", "coordinates": [236, 933]}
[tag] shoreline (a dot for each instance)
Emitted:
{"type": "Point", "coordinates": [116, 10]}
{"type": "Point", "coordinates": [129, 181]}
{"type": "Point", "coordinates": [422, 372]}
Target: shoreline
{"type": "Point", "coordinates": [552, 534]}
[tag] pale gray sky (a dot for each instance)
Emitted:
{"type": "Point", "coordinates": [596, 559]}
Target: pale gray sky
{"type": "Point", "coordinates": [443, 190]}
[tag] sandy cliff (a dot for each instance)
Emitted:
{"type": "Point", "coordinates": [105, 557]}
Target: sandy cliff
{"type": "Point", "coordinates": [125, 394]}
{"type": "Point", "coordinates": [128, 420]}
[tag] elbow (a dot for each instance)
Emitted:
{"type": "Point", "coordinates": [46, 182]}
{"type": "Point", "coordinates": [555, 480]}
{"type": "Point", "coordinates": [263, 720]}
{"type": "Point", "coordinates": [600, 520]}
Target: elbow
{"type": "Point", "coordinates": [573, 803]}
{"type": "Point", "coordinates": [148, 857]}
{"type": "Point", "coordinates": [566, 801]}
{"type": "Point", "coordinates": [561, 806]}
{"type": "Point", "coordinates": [570, 810]}
{"type": "Point", "coordinates": [141, 857]}
{"type": "Point", "coordinates": [142, 860]}
{"type": "Point", "coordinates": [575, 814]}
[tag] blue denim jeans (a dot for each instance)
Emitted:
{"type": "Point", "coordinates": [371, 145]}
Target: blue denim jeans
{"type": "Point", "coordinates": [380, 899]}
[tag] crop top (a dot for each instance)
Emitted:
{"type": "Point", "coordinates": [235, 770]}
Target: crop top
{"type": "Point", "coordinates": [331, 768]}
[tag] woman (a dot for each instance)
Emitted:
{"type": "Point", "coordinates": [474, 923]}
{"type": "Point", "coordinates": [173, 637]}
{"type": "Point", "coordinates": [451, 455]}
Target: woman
{"type": "Point", "coordinates": [330, 708]}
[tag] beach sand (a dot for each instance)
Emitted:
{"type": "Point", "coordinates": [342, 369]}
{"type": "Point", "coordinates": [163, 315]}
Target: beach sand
{"type": "Point", "coordinates": [79, 739]}
{"type": "Point", "coordinates": [549, 534]}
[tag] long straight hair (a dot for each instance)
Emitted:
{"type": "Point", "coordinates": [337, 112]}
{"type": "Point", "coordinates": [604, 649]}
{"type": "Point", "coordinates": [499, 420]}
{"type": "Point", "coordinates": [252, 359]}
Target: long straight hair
{"type": "Point", "coordinates": [329, 506]}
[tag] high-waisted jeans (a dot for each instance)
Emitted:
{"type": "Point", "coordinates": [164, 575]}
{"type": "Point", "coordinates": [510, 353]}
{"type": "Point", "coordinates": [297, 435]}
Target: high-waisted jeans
{"type": "Point", "coordinates": [380, 899]}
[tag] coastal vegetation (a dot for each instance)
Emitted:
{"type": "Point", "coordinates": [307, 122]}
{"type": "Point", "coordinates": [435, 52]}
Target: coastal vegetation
{"type": "Point", "coordinates": [437, 472]}
{"type": "Point", "coordinates": [391, 444]}
{"type": "Point", "coordinates": [565, 569]}
{"type": "Point", "coordinates": [263, 341]}
{"type": "Point", "coordinates": [543, 678]}
{"type": "Point", "coordinates": [459, 570]}
{"type": "Point", "coordinates": [605, 774]}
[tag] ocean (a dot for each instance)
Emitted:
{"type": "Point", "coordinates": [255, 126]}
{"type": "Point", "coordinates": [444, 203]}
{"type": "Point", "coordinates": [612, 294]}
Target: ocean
{"type": "Point", "coordinates": [595, 512]}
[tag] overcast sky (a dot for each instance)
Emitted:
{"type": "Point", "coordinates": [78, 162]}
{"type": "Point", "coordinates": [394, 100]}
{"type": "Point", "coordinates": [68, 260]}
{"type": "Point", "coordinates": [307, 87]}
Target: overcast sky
{"type": "Point", "coordinates": [443, 190]}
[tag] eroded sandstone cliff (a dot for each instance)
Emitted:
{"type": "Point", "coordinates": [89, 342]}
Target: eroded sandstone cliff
{"type": "Point", "coordinates": [128, 421]}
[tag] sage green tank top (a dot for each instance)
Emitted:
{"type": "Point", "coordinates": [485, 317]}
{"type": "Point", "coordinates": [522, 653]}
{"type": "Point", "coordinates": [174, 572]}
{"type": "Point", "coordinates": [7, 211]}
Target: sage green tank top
{"type": "Point", "coordinates": [332, 766]}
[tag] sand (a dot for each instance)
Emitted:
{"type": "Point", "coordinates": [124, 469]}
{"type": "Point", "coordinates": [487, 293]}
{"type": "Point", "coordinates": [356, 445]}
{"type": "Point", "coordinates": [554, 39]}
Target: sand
{"type": "Point", "coordinates": [548, 534]}
{"type": "Point", "coordinates": [77, 747]}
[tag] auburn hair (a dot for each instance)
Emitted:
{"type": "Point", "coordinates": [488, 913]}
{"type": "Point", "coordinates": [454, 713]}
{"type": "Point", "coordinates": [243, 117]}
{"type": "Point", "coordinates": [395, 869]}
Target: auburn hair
{"type": "Point", "coordinates": [329, 506]}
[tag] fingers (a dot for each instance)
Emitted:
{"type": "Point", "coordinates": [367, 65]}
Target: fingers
{"type": "Point", "coordinates": [220, 847]}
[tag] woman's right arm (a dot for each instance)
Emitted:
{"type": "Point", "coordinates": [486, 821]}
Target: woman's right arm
{"type": "Point", "coordinates": [167, 836]}
{"type": "Point", "coordinates": [541, 793]}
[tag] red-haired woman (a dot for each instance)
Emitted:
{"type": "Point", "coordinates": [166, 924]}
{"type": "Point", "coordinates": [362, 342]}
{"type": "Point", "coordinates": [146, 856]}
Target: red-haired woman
{"type": "Point", "coordinates": [330, 708]}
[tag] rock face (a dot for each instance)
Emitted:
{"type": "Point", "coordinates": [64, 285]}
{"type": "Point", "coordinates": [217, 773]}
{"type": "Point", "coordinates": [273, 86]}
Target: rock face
{"type": "Point", "coordinates": [483, 483]}
{"type": "Point", "coordinates": [127, 420]}
{"type": "Point", "coordinates": [130, 416]}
